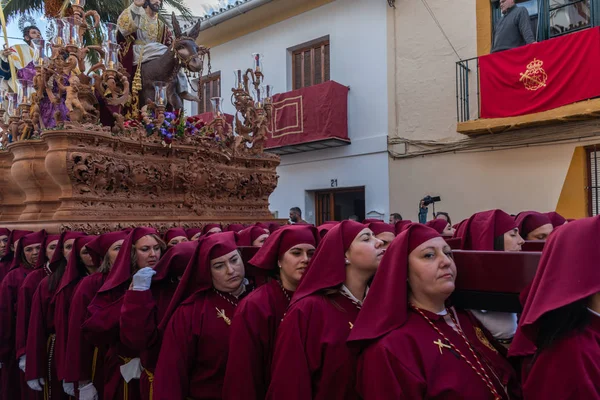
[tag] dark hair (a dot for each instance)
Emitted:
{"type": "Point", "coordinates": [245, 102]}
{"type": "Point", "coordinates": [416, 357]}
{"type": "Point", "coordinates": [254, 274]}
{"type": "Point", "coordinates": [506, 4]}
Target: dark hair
{"type": "Point", "coordinates": [499, 243]}
{"type": "Point", "coordinates": [396, 216]}
{"type": "Point", "coordinates": [57, 275]}
{"type": "Point", "coordinates": [296, 210]}
{"type": "Point", "coordinates": [445, 214]}
{"type": "Point", "coordinates": [557, 324]}
{"type": "Point", "coordinates": [28, 29]}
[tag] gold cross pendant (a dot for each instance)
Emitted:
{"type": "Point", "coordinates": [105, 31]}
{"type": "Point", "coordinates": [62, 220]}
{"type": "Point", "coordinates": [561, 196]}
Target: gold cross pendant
{"type": "Point", "coordinates": [351, 324]}
{"type": "Point", "coordinates": [441, 345]}
{"type": "Point", "coordinates": [221, 314]}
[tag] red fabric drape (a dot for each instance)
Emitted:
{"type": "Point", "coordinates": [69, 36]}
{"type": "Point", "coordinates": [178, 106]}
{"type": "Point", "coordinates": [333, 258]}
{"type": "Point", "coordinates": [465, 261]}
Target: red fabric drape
{"type": "Point", "coordinates": [309, 114]}
{"type": "Point", "coordinates": [540, 76]}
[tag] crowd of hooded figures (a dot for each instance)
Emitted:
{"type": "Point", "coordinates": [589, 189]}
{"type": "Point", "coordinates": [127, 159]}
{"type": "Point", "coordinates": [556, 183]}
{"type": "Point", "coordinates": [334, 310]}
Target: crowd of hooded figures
{"type": "Point", "coordinates": [346, 310]}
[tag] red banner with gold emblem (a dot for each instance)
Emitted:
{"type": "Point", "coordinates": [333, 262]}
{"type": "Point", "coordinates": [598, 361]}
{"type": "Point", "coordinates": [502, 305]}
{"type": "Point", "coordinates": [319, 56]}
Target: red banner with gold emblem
{"type": "Point", "coordinates": [540, 76]}
{"type": "Point", "coordinates": [308, 115]}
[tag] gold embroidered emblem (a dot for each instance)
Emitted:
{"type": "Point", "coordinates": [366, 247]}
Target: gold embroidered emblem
{"type": "Point", "coordinates": [484, 340]}
{"type": "Point", "coordinates": [535, 77]}
{"type": "Point", "coordinates": [221, 314]}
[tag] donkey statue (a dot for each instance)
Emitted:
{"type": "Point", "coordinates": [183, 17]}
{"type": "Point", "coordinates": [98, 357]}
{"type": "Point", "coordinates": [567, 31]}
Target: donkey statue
{"type": "Point", "coordinates": [182, 53]}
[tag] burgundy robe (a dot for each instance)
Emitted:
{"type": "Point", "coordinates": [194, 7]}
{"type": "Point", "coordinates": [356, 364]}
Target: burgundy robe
{"type": "Point", "coordinates": [13, 381]}
{"type": "Point", "coordinates": [569, 369]}
{"type": "Point", "coordinates": [141, 314]}
{"type": "Point", "coordinates": [252, 342]}
{"type": "Point", "coordinates": [40, 342]}
{"type": "Point", "coordinates": [85, 362]}
{"type": "Point", "coordinates": [5, 263]}
{"type": "Point", "coordinates": [25, 298]}
{"type": "Point", "coordinates": [194, 350]}
{"type": "Point", "coordinates": [406, 364]}
{"type": "Point", "coordinates": [311, 358]}
{"type": "Point", "coordinates": [102, 329]}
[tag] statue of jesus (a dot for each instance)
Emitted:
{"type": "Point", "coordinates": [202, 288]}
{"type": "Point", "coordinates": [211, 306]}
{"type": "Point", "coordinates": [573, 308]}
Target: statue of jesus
{"type": "Point", "coordinates": [146, 38]}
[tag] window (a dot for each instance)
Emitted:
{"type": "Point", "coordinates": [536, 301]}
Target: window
{"type": "Point", "coordinates": [310, 65]}
{"type": "Point", "coordinates": [593, 162]}
{"type": "Point", "coordinates": [551, 18]}
{"type": "Point", "coordinates": [211, 87]}
{"type": "Point", "coordinates": [340, 204]}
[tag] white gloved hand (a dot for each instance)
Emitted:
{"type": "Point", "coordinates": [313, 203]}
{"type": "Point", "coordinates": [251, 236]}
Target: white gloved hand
{"type": "Point", "coordinates": [143, 279]}
{"type": "Point", "coordinates": [22, 363]}
{"type": "Point", "coordinates": [88, 392]}
{"type": "Point", "coordinates": [69, 388]}
{"type": "Point", "coordinates": [36, 384]}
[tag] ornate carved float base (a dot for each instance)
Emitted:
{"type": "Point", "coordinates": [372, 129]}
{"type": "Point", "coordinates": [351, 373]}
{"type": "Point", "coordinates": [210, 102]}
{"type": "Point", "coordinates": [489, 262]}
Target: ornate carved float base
{"type": "Point", "coordinates": [95, 181]}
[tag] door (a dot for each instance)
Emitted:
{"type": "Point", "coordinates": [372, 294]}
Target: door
{"type": "Point", "coordinates": [340, 204]}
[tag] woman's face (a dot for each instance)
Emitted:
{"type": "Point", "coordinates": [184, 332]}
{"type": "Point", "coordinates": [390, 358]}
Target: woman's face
{"type": "Point", "coordinates": [227, 272]}
{"type": "Point", "coordinates": [50, 249]}
{"type": "Point", "coordinates": [196, 236]}
{"type": "Point", "coordinates": [86, 258]}
{"type": "Point", "coordinates": [260, 240]}
{"type": "Point", "coordinates": [448, 230]}
{"type": "Point", "coordinates": [113, 251]}
{"type": "Point", "coordinates": [513, 241]}
{"type": "Point", "coordinates": [540, 233]}
{"type": "Point", "coordinates": [32, 252]}
{"type": "Point", "coordinates": [293, 263]}
{"type": "Point", "coordinates": [366, 251]}
{"type": "Point", "coordinates": [67, 247]}
{"type": "Point", "coordinates": [176, 240]}
{"type": "Point", "coordinates": [431, 271]}
{"type": "Point", "coordinates": [3, 245]}
{"type": "Point", "coordinates": [386, 238]}
{"type": "Point", "coordinates": [148, 252]}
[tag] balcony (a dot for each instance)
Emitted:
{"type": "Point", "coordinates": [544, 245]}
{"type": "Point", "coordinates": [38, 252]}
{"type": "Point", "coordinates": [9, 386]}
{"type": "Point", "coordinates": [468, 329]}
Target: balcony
{"type": "Point", "coordinates": [312, 118]}
{"type": "Point", "coordinates": [565, 91]}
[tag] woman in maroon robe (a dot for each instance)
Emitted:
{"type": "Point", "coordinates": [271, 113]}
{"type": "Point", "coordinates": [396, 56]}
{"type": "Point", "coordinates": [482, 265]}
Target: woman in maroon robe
{"type": "Point", "coordinates": [235, 228]}
{"type": "Point", "coordinates": [26, 292]}
{"type": "Point", "coordinates": [325, 227]}
{"type": "Point", "coordinates": [414, 346]}
{"type": "Point", "coordinates": [5, 252]}
{"type": "Point", "coordinates": [196, 326]}
{"type": "Point", "coordinates": [79, 265]}
{"type": "Point", "coordinates": [562, 316]}
{"type": "Point", "coordinates": [254, 236]}
{"type": "Point", "coordinates": [6, 260]}
{"type": "Point", "coordinates": [286, 253]}
{"type": "Point", "coordinates": [23, 263]}
{"type": "Point", "coordinates": [41, 338]}
{"type": "Point", "coordinates": [174, 236]}
{"type": "Point", "coordinates": [211, 228]}
{"type": "Point", "coordinates": [122, 370]}
{"type": "Point", "coordinates": [442, 227]}
{"type": "Point", "coordinates": [143, 309]}
{"type": "Point", "coordinates": [85, 362]}
{"type": "Point", "coordinates": [311, 359]}
{"type": "Point", "coordinates": [493, 230]}
{"type": "Point", "coordinates": [534, 225]}
{"type": "Point", "coordinates": [556, 219]}
{"type": "Point", "coordinates": [383, 231]}
{"type": "Point", "coordinates": [193, 233]}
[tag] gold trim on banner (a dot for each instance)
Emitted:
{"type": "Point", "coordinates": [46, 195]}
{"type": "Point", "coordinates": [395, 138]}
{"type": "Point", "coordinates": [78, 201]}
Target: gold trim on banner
{"type": "Point", "coordinates": [299, 116]}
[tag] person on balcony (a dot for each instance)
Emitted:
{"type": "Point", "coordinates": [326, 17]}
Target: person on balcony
{"type": "Point", "coordinates": [513, 29]}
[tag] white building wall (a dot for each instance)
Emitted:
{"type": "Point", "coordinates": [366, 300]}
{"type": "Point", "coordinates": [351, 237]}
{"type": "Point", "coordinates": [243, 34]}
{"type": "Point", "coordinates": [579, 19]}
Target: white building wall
{"type": "Point", "coordinates": [358, 50]}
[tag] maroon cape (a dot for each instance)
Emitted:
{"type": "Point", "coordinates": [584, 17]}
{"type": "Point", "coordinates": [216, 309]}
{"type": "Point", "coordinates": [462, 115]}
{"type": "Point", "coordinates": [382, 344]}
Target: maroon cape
{"type": "Point", "coordinates": [24, 300]}
{"type": "Point", "coordinates": [311, 358]}
{"type": "Point", "coordinates": [406, 364]}
{"type": "Point", "coordinates": [85, 360]}
{"type": "Point", "coordinates": [40, 342]}
{"type": "Point", "coordinates": [13, 382]}
{"type": "Point", "coordinates": [253, 333]}
{"type": "Point", "coordinates": [194, 349]}
{"type": "Point", "coordinates": [569, 369]}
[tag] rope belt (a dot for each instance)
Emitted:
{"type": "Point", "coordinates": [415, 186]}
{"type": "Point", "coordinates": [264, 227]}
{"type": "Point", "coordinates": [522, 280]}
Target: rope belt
{"type": "Point", "coordinates": [50, 348]}
{"type": "Point", "coordinates": [125, 384]}
{"type": "Point", "coordinates": [151, 380]}
{"type": "Point", "coordinates": [94, 363]}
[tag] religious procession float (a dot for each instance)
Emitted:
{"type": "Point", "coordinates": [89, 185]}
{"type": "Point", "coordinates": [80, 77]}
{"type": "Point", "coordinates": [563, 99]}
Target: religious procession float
{"type": "Point", "coordinates": [95, 137]}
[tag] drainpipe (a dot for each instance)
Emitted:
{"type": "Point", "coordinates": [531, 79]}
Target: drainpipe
{"type": "Point", "coordinates": [232, 13]}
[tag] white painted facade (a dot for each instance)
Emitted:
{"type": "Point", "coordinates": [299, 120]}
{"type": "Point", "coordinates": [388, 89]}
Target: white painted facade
{"type": "Point", "coordinates": [358, 52]}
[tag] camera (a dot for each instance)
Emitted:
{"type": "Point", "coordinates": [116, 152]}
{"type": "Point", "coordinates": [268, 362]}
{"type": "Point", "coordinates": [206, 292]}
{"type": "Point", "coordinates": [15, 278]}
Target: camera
{"type": "Point", "coordinates": [427, 200]}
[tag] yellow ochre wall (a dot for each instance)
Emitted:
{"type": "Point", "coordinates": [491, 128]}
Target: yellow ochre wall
{"type": "Point", "coordinates": [484, 27]}
{"type": "Point", "coordinates": [573, 201]}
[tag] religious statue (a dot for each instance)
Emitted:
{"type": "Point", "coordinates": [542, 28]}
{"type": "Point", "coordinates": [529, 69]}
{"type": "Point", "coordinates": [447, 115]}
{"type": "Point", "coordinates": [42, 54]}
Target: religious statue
{"type": "Point", "coordinates": [144, 39]}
